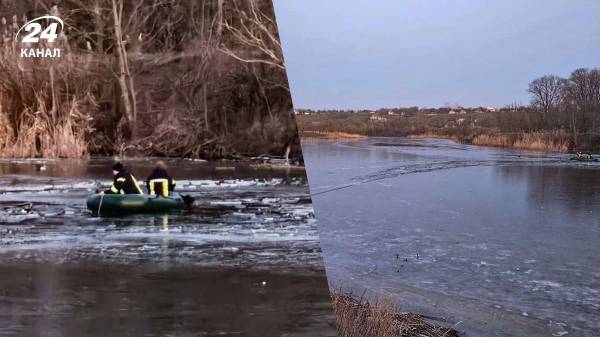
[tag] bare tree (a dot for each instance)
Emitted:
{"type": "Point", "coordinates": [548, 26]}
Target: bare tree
{"type": "Point", "coordinates": [124, 73]}
{"type": "Point", "coordinates": [547, 92]}
{"type": "Point", "coordinates": [255, 30]}
{"type": "Point", "coordinates": [584, 90]}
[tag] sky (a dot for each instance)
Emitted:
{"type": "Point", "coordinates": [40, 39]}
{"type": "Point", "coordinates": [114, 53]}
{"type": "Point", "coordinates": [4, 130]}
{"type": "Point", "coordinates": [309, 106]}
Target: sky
{"type": "Point", "coordinates": [369, 54]}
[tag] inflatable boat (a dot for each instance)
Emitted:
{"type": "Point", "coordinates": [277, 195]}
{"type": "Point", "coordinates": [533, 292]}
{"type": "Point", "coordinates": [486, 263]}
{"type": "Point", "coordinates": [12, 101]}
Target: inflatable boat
{"type": "Point", "coordinates": [124, 204]}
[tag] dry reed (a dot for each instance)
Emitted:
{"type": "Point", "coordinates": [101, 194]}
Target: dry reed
{"type": "Point", "coordinates": [497, 140]}
{"type": "Point", "coordinates": [543, 142]}
{"type": "Point", "coordinates": [359, 318]}
{"type": "Point", "coordinates": [537, 141]}
{"type": "Point", "coordinates": [45, 104]}
{"type": "Point", "coordinates": [331, 135]}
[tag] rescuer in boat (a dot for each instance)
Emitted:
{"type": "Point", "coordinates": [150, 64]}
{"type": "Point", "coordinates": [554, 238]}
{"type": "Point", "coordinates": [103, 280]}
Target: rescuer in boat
{"type": "Point", "coordinates": [124, 182]}
{"type": "Point", "coordinates": [159, 183]}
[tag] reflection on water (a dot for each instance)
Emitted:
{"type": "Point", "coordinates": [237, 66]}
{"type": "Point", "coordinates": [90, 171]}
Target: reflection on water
{"type": "Point", "coordinates": [244, 261]}
{"type": "Point", "coordinates": [113, 300]}
{"type": "Point", "coordinates": [503, 241]}
{"type": "Point", "coordinates": [576, 186]}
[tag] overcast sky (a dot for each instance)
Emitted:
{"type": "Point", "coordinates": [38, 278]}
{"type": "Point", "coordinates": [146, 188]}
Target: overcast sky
{"type": "Point", "coordinates": [390, 53]}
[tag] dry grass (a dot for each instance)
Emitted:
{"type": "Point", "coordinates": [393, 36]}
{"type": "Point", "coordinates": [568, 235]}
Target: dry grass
{"type": "Point", "coordinates": [45, 104]}
{"type": "Point", "coordinates": [359, 318]}
{"type": "Point", "coordinates": [543, 142]}
{"type": "Point", "coordinates": [537, 141]}
{"type": "Point", "coordinates": [38, 136]}
{"type": "Point", "coordinates": [497, 140]}
{"type": "Point", "coordinates": [194, 93]}
{"type": "Point", "coordinates": [436, 136]}
{"type": "Point", "coordinates": [331, 135]}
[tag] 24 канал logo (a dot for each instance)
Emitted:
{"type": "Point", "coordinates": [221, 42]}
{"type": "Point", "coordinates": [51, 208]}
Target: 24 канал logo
{"type": "Point", "coordinates": [34, 33]}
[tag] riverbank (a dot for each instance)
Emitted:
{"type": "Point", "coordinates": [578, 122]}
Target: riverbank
{"type": "Point", "coordinates": [537, 141]}
{"type": "Point", "coordinates": [359, 318]}
{"type": "Point", "coordinates": [497, 129]}
{"type": "Point", "coordinates": [187, 93]}
{"type": "Point", "coordinates": [534, 141]}
{"type": "Point", "coordinates": [330, 135]}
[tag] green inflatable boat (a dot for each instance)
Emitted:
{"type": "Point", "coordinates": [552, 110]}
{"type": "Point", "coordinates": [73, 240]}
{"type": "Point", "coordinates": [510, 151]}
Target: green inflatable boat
{"type": "Point", "coordinates": [124, 204]}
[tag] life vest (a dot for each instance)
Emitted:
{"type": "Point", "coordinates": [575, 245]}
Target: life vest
{"type": "Point", "coordinates": [125, 183]}
{"type": "Point", "coordinates": [159, 183]}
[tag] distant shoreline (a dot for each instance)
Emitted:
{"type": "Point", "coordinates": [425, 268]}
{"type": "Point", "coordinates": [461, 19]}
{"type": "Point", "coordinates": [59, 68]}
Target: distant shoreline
{"type": "Point", "coordinates": [534, 141]}
{"type": "Point", "coordinates": [522, 141]}
{"type": "Point", "coordinates": [330, 135]}
{"type": "Point", "coordinates": [476, 128]}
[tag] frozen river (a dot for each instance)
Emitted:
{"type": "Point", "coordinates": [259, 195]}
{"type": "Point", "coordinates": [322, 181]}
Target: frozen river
{"type": "Point", "coordinates": [248, 248]}
{"type": "Point", "coordinates": [494, 242]}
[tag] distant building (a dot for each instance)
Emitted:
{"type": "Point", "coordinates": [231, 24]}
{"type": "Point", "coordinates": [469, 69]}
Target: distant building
{"type": "Point", "coordinates": [377, 118]}
{"type": "Point", "coordinates": [490, 109]}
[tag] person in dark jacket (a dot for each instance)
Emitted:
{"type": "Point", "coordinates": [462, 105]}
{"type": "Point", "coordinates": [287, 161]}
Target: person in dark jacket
{"type": "Point", "coordinates": [123, 182]}
{"type": "Point", "coordinates": [159, 183]}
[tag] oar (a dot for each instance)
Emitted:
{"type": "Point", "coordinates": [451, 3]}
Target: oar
{"type": "Point", "coordinates": [100, 204]}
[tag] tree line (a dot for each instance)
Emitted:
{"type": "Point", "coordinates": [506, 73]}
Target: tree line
{"type": "Point", "coordinates": [571, 104]}
{"type": "Point", "coordinates": [563, 115]}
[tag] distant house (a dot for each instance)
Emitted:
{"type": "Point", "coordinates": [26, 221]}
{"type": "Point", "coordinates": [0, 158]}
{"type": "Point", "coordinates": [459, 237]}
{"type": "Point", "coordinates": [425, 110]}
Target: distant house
{"type": "Point", "coordinates": [490, 109]}
{"type": "Point", "coordinates": [377, 118]}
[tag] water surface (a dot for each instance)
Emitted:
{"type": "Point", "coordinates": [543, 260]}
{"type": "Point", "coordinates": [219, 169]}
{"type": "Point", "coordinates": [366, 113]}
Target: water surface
{"type": "Point", "coordinates": [498, 242]}
{"type": "Point", "coordinates": [245, 261]}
